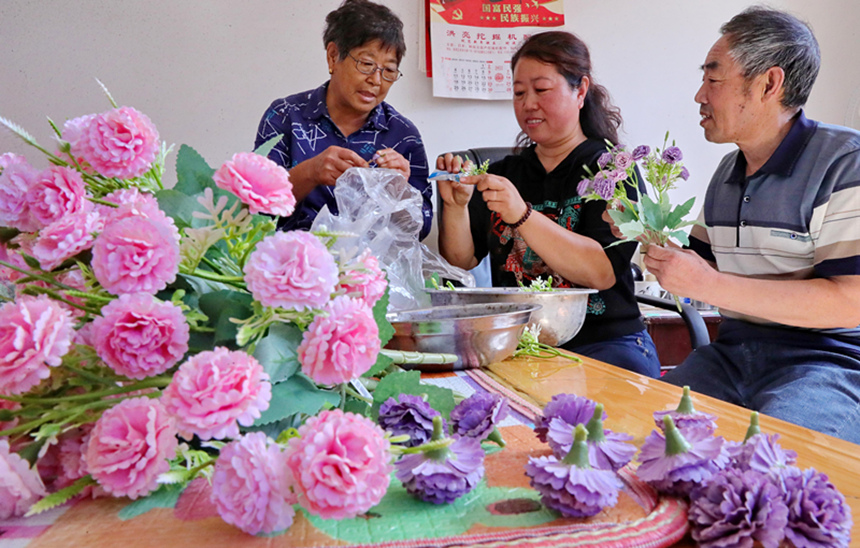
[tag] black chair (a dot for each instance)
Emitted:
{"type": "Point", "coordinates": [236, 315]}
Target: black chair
{"type": "Point", "coordinates": [692, 318]}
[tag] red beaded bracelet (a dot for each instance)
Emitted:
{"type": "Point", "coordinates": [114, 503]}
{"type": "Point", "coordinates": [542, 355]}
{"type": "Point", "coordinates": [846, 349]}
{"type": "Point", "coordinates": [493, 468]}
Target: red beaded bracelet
{"type": "Point", "coordinates": [525, 216]}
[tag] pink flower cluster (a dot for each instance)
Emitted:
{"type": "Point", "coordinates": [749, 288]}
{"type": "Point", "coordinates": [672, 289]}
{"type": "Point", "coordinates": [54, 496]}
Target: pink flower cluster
{"type": "Point", "coordinates": [16, 179]}
{"type": "Point", "coordinates": [291, 270]}
{"type": "Point", "coordinates": [341, 464]}
{"type": "Point", "coordinates": [120, 143]}
{"type": "Point", "coordinates": [20, 486]}
{"type": "Point", "coordinates": [364, 279]}
{"type": "Point", "coordinates": [35, 333]}
{"type": "Point", "coordinates": [216, 389]}
{"type": "Point", "coordinates": [259, 182]}
{"type": "Point", "coordinates": [130, 446]}
{"type": "Point", "coordinates": [341, 343]}
{"type": "Point", "coordinates": [139, 336]}
{"type": "Point", "coordinates": [252, 486]}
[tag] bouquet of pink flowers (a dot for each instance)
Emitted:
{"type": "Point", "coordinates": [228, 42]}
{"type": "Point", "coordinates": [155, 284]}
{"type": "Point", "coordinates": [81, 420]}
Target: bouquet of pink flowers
{"type": "Point", "coordinates": [150, 336]}
{"type": "Point", "coordinates": [651, 219]}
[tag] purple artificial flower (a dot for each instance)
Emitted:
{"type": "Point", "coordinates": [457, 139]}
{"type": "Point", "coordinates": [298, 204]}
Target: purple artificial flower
{"type": "Point", "coordinates": [685, 415]}
{"type": "Point", "coordinates": [604, 160]}
{"type": "Point", "coordinates": [571, 486]}
{"type": "Point", "coordinates": [672, 155]}
{"type": "Point", "coordinates": [617, 175]}
{"type": "Point", "coordinates": [411, 416]}
{"type": "Point", "coordinates": [818, 515]}
{"type": "Point", "coordinates": [762, 453]}
{"type": "Point", "coordinates": [607, 450]}
{"type": "Point", "coordinates": [477, 416]}
{"type": "Point", "coordinates": [675, 463]}
{"type": "Point", "coordinates": [584, 187]}
{"type": "Point", "coordinates": [604, 186]}
{"type": "Point", "coordinates": [641, 151]}
{"type": "Point", "coordinates": [738, 508]}
{"type": "Point", "coordinates": [623, 160]}
{"type": "Point", "coordinates": [685, 173]}
{"type": "Point", "coordinates": [445, 470]}
{"type": "Point", "coordinates": [570, 408]}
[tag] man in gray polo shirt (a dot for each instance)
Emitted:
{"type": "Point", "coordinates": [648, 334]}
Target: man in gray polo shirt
{"type": "Point", "coordinates": [781, 254]}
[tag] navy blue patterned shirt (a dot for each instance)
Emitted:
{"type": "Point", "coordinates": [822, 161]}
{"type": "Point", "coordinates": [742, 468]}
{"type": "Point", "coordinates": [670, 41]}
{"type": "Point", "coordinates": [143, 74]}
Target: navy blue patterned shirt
{"type": "Point", "coordinates": [304, 121]}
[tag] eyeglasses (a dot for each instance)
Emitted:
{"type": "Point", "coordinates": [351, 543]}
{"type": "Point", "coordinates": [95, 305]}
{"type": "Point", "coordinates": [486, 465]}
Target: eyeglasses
{"type": "Point", "coordinates": [369, 67]}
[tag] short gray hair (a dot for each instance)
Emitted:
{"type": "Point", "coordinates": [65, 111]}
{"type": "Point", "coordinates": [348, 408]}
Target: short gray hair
{"type": "Point", "coordinates": [760, 38]}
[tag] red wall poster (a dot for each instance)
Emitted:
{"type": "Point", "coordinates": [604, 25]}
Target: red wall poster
{"type": "Point", "coordinates": [471, 42]}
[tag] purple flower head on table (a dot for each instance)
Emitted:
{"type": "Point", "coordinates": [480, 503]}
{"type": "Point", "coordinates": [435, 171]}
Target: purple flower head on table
{"type": "Point", "coordinates": [570, 408]}
{"type": "Point", "coordinates": [817, 512]}
{"type": "Point", "coordinates": [607, 450]}
{"type": "Point", "coordinates": [641, 151]}
{"type": "Point", "coordinates": [672, 155]}
{"type": "Point", "coordinates": [738, 508]}
{"type": "Point", "coordinates": [685, 415]}
{"type": "Point", "coordinates": [442, 470]}
{"type": "Point", "coordinates": [477, 416]}
{"type": "Point", "coordinates": [759, 451]}
{"type": "Point", "coordinates": [411, 416]}
{"type": "Point", "coordinates": [571, 486]}
{"type": "Point", "coordinates": [674, 463]}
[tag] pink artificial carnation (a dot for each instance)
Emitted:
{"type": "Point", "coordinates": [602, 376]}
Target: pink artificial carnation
{"type": "Point", "coordinates": [35, 333]}
{"type": "Point", "coordinates": [58, 191]}
{"type": "Point", "coordinates": [16, 179]}
{"type": "Point", "coordinates": [20, 486]}
{"type": "Point", "coordinates": [120, 143]}
{"type": "Point", "coordinates": [252, 486]}
{"type": "Point", "coordinates": [66, 237]}
{"type": "Point", "coordinates": [341, 464]}
{"type": "Point", "coordinates": [291, 270]}
{"type": "Point", "coordinates": [130, 446]}
{"type": "Point", "coordinates": [341, 343]}
{"type": "Point", "coordinates": [364, 279]}
{"type": "Point", "coordinates": [139, 336]}
{"type": "Point", "coordinates": [13, 256]}
{"type": "Point", "coordinates": [136, 254]}
{"type": "Point", "coordinates": [260, 183]}
{"type": "Point", "coordinates": [131, 202]}
{"type": "Point", "coordinates": [215, 391]}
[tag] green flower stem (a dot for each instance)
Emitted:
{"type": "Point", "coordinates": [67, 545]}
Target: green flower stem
{"type": "Point", "coordinates": [685, 406]}
{"type": "Point", "coordinates": [595, 425]}
{"type": "Point", "coordinates": [155, 382]}
{"type": "Point", "coordinates": [91, 376]}
{"type": "Point", "coordinates": [37, 276]}
{"type": "Point", "coordinates": [754, 427]}
{"type": "Point", "coordinates": [236, 281]}
{"type": "Point", "coordinates": [30, 290]}
{"type": "Point", "coordinates": [578, 455]}
{"type": "Point", "coordinates": [101, 202]}
{"type": "Point", "coordinates": [50, 416]}
{"type": "Point", "coordinates": [496, 437]}
{"type": "Point", "coordinates": [675, 441]}
{"type": "Point", "coordinates": [354, 393]}
{"type": "Point", "coordinates": [438, 452]}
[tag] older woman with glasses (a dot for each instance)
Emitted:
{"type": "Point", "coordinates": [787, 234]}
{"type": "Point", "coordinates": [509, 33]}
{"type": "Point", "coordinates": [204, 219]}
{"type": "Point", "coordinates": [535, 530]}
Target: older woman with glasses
{"type": "Point", "coordinates": [346, 122]}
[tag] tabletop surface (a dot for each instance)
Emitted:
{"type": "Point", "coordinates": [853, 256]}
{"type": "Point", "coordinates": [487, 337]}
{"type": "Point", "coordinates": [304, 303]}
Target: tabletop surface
{"type": "Point", "coordinates": [629, 400]}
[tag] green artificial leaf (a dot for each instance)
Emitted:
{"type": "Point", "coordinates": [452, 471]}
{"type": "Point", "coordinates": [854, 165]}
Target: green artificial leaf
{"type": "Point", "coordinates": [60, 497]}
{"type": "Point", "coordinates": [620, 217]}
{"type": "Point", "coordinates": [681, 236]}
{"type": "Point", "coordinates": [433, 281]}
{"type": "Point", "coordinates": [178, 206]}
{"type": "Point", "coordinates": [276, 352]}
{"type": "Point", "coordinates": [677, 215]}
{"type": "Point", "coordinates": [266, 148]}
{"type": "Point", "coordinates": [651, 214]}
{"type": "Point", "coordinates": [298, 394]}
{"type": "Point", "coordinates": [165, 496]}
{"type": "Point", "coordinates": [220, 306]}
{"type": "Point", "coordinates": [631, 230]}
{"type": "Point", "coordinates": [193, 174]}
{"type": "Point", "coordinates": [358, 407]}
{"type": "Point", "coordinates": [382, 363]}
{"type": "Point", "coordinates": [380, 309]}
{"type": "Point", "coordinates": [409, 382]}
{"type": "Point", "coordinates": [400, 516]}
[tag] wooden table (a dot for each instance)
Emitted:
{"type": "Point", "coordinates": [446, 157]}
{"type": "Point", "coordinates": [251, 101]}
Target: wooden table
{"type": "Point", "coordinates": [629, 400]}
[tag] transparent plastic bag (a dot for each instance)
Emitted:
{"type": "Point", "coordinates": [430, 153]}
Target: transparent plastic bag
{"type": "Point", "coordinates": [383, 212]}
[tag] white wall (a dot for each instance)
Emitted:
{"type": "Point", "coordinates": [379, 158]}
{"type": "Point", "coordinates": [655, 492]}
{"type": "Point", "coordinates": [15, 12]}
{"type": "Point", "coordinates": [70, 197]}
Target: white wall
{"type": "Point", "coordinates": [205, 70]}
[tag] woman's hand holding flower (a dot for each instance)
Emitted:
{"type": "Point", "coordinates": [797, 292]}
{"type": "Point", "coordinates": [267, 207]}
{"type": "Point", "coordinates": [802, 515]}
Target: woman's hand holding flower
{"type": "Point", "coordinates": [453, 193]}
{"type": "Point", "coordinates": [500, 195]}
{"type": "Point", "coordinates": [389, 158]}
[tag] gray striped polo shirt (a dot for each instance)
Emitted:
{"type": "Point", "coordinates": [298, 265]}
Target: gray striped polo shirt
{"type": "Point", "coordinates": [798, 217]}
